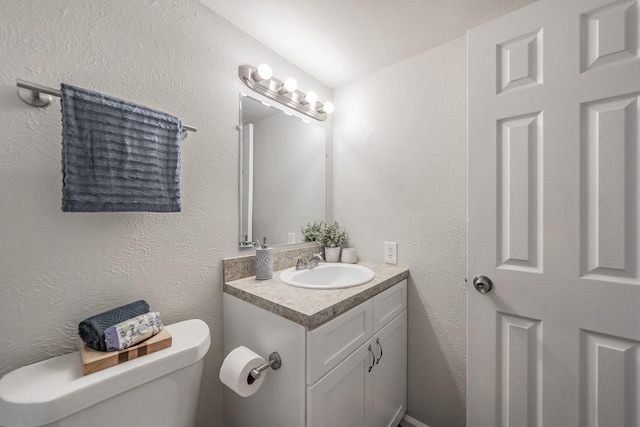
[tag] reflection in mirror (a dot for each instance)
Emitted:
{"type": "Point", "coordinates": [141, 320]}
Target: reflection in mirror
{"type": "Point", "coordinates": [282, 174]}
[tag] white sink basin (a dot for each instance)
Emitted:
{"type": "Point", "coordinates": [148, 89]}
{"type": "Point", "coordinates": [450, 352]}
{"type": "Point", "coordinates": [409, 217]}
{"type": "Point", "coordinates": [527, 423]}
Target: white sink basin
{"type": "Point", "coordinates": [328, 276]}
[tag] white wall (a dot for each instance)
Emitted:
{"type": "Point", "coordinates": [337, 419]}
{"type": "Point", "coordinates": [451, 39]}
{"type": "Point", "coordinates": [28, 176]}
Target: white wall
{"type": "Point", "coordinates": [58, 268]}
{"type": "Point", "coordinates": [400, 175]}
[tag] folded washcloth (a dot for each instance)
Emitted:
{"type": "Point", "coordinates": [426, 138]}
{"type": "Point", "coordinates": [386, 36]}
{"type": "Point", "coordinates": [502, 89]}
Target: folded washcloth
{"type": "Point", "coordinates": [117, 155]}
{"type": "Point", "coordinates": [133, 331]}
{"type": "Point", "coordinates": [92, 329]}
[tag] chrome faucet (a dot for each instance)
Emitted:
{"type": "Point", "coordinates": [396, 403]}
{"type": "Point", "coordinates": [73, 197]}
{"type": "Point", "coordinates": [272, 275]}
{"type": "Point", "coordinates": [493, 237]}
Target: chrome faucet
{"type": "Point", "coordinates": [312, 263]}
{"type": "Point", "coordinates": [300, 264]}
{"type": "Point", "coordinates": [315, 259]}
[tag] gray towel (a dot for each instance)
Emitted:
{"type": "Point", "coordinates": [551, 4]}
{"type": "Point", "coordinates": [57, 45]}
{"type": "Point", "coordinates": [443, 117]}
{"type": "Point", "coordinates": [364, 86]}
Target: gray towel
{"type": "Point", "coordinates": [118, 156]}
{"type": "Point", "coordinates": [92, 329]}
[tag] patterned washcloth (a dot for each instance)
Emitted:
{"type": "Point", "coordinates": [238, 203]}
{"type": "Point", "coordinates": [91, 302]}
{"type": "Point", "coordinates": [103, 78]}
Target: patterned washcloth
{"type": "Point", "coordinates": [118, 156]}
{"type": "Point", "coordinates": [92, 329]}
{"type": "Point", "coordinates": [132, 331]}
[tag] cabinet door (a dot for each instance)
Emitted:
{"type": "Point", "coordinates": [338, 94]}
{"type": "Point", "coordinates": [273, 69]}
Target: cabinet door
{"type": "Point", "coordinates": [388, 304]}
{"type": "Point", "coordinates": [343, 397]}
{"type": "Point", "coordinates": [332, 342]}
{"type": "Point", "coordinates": [390, 373]}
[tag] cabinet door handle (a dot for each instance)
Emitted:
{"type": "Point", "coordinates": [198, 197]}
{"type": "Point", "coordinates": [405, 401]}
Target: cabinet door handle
{"type": "Point", "coordinates": [373, 361]}
{"type": "Point", "coordinates": [379, 345]}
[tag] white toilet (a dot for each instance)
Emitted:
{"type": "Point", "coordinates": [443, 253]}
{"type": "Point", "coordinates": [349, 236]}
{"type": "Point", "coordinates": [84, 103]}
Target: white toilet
{"type": "Point", "coordinates": [160, 389]}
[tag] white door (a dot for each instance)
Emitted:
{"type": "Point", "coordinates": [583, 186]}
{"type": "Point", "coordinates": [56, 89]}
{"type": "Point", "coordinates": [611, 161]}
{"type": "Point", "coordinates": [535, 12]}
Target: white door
{"type": "Point", "coordinates": [390, 373]}
{"type": "Point", "coordinates": [343, 397]}
{"type": "Point", "coordinates": [553, 216]}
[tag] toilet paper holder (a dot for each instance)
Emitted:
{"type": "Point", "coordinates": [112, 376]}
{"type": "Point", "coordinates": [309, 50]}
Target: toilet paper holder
{"type": "Point", "coordinates": [274, 362]}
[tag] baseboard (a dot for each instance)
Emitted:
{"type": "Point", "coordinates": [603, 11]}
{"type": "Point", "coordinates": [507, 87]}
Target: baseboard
{"type": "Point", "coordinates": [408, 421]}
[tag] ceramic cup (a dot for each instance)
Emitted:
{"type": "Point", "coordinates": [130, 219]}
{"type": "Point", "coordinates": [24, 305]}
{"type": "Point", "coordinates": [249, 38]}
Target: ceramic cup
{"type": "Point", "coordinates": [349, 255]}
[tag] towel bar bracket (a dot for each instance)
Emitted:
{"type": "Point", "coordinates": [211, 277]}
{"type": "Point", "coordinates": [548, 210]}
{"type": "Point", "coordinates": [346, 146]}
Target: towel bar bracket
{"type": "Point", "coordinates": [34, 97]}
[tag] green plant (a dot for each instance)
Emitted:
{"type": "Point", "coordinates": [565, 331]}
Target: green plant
{"type": "Point", "coordinates": [328, 235]}
{"type": "Point", "coordinates": [333, 236]}
{"type": "Point", "coordinates": [313, 232]}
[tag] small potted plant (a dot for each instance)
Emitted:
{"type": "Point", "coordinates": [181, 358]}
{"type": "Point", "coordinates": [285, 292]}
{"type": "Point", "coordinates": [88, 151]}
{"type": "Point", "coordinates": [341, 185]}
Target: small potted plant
{"type": "Point", "coordinates": [332, 239]}
{"type": "Point", "coordinates": [313, 232]}
{"type": "Point", "coordinates": [330, 236]}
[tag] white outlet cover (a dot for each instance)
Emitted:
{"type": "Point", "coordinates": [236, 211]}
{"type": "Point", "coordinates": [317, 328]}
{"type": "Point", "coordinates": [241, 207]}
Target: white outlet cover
{"type": "Point", "coordinates": [390, 252]}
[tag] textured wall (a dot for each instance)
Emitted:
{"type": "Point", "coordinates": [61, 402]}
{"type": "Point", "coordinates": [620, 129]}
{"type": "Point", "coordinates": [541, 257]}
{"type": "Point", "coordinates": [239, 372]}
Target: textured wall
{"type": "Point", "coordinates": [400, 175]}
{"type": "Point", "coordinates": [58, 268]}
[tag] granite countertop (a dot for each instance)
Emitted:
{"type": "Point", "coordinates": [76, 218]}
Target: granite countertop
{"type": "Point", "coordinates": [313, 307]}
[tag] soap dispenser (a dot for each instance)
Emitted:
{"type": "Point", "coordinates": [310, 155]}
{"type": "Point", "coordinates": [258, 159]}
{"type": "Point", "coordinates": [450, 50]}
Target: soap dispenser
{"type": "Point", "coordinates": [264, 261]}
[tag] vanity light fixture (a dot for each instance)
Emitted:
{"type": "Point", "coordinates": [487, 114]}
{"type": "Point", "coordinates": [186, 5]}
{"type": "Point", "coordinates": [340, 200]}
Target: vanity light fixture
{"type": "Point", "coordinates": [290, 85]}
{"type": "Point", "coordinates": [310, 98]}
{"type": "Point", "coordinates": [262, 81]}
{"type": "Point", "coordinates": [328, 107]}
{"type": "Point", "coordinates": [263, 72]}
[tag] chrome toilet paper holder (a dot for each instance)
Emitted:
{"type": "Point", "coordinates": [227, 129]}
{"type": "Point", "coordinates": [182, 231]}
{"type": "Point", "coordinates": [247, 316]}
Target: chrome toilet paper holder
{"type": "Point", "coordinates": [274, 362]}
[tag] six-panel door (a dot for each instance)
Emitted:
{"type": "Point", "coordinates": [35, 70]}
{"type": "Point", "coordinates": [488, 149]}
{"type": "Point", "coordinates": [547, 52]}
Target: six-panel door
{"type": "Point", "coordinates": [553, 216]}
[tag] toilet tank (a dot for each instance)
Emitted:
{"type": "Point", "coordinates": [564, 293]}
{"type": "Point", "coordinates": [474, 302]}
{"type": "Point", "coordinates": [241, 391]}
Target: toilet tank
{"type": "Point", "coordinates": [160, 389]}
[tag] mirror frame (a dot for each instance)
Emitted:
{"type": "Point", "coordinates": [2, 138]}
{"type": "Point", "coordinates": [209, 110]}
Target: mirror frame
{"type": "Point", "coordinates": [244, 244]}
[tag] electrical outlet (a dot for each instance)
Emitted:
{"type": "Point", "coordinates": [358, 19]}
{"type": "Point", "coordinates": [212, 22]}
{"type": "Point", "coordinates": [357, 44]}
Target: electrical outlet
{"type": "Point", "coordinates": [291, 238]}
{"type": "Point", "coordinates": [390, 252]}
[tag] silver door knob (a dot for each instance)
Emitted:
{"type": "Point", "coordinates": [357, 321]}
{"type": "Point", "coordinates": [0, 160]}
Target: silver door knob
{"type": "Point", "coordinates": [482, 284]}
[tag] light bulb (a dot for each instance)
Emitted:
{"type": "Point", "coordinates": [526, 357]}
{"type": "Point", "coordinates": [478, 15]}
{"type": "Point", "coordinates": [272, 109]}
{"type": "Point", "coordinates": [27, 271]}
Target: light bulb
{"type": "Point", "coordinates": [328, 107]}
{"type": "Point", "coordinates": [290, 84]}
{"type": "Point", "coordinates": [311, 97]}
{"type": "Point", "coordinates": [262, 73]}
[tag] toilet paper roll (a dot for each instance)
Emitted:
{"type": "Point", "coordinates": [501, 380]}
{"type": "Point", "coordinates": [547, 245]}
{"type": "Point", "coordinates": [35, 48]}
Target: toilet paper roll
{"type": "Point", "coordinates": [235, 370]}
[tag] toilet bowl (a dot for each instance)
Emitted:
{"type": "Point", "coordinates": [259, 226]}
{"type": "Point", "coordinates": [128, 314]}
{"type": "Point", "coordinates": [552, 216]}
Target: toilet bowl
{"type": "Point", "coordinates": [160, 389]}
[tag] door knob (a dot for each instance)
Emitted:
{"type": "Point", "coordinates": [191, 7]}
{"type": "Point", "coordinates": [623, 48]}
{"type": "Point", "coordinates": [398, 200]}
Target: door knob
{"type": "Point", "coordinates": [482, 284]}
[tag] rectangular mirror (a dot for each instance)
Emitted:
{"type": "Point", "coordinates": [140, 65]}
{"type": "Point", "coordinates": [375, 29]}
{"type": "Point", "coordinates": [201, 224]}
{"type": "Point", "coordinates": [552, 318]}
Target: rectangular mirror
{"type": "Point", "coordinates": [282, 174]}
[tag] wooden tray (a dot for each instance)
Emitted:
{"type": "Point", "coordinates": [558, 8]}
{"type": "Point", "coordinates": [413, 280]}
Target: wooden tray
{"type": "Point", "coordinates": [94, 361]}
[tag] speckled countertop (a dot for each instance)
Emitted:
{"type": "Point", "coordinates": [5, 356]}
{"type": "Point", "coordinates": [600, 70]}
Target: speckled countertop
{"type": "Point", "coordinates": [313, 307]}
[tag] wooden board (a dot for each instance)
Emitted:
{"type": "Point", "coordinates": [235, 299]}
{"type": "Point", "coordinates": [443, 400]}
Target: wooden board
{"type": "Point", "coordinates": [94, 361]}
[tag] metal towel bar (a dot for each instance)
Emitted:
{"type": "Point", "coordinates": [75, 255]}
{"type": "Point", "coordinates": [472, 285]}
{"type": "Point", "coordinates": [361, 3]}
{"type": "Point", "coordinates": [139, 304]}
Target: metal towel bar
{"type": "Point", "coordinates": [31, 93]}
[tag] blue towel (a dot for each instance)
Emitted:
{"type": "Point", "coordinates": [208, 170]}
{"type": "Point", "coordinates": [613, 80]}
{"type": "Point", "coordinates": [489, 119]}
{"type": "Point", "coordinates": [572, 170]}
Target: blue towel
{"type": "Point", "coordinates": [92, 329]}
{"type": "Point", "coordinates": [118, 156]}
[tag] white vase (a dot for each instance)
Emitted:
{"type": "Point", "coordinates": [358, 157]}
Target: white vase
{"type": "Point", "coordinates": [331, 254]}
{"type": "Point", "coordinates": [349, 256]}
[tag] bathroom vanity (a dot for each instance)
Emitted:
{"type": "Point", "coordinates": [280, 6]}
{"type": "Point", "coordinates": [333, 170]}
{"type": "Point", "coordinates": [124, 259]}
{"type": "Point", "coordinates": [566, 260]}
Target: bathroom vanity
{"type": "Point", "coordinates": [343, 351]}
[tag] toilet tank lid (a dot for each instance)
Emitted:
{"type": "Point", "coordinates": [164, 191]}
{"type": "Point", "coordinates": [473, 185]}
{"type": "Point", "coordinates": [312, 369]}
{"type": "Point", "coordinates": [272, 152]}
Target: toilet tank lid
{"type": "Point", "coordinates": [53, 389]}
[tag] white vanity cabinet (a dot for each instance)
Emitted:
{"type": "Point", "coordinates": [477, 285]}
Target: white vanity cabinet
{"type": "Point", "coordinates": [356, 372]}
{"type": "Point", "coordinates": [348, 372]}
